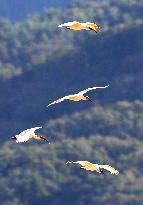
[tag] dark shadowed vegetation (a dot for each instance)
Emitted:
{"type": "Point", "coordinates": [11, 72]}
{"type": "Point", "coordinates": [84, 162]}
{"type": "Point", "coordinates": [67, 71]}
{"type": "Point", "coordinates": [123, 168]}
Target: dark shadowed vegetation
{"type": "Point", "coordinates": [39, 63]}
{"type": "Point", "coordinates": [37, 174]}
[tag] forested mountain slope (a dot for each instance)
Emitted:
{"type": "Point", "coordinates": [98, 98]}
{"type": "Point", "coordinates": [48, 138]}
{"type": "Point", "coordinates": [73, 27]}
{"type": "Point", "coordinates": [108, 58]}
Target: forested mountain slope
{"type": "Point", "coordinates": [123, 119]}
{"type": "Point", "coordinates": [16, 10]}
{"type": "Point", "coordinates": [37, 174]}
{"type": "Point", "coordinates": [113, 58]}
{"type": "Point", "coordinates": [37, 40]}
{"type": "Point", "coordinates": [39, 63]}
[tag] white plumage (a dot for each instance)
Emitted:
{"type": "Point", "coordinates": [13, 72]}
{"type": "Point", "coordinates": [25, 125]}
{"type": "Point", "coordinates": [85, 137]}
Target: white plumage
{"type": "Point", "coordinates": [68, 24]}
{"type": "Point", "coordinates": [109, 168]}
{"type": "Point", "coordinates": [93, 88]}
{"type": "Point", "coordinates": [78, 96]}
{"type": "Point", "coordinates": [75, 25]}
{"type": "Point", "coordinates": [28, 134]}
{"type": "Point", "coordinates": [25, 135]}
{"type": "Point", "coordinates": [95, 167]}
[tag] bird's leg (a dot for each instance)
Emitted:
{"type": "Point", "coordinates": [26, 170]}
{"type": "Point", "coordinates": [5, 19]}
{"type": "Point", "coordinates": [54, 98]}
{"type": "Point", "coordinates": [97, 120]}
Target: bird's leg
{"type": "Point", "coordinates": [101, 170]}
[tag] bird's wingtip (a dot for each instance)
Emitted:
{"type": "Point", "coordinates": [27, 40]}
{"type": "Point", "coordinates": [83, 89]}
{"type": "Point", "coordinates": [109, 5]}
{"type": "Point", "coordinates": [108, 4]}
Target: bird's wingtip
{"type": "Point", "coordinates": [50, 104]}
{"type": "Point", "coordinates": [36, 128]}
{"type": "Point", "coordinates": [68, 162]}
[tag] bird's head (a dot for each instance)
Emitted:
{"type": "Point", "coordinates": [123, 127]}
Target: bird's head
{"type": "Point", "coordinates": [13, 137]}
{"type": "Point", "coordinates": [88, 98]}
{"type": "Point", "coordinates": [98, 26]}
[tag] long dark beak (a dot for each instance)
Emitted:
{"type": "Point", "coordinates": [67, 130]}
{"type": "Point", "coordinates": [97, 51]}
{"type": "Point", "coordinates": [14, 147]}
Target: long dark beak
{"type": "Point", "coordinates": [43, 138]}
{"type": "Point", "coordinates": [13, 138]}
{"type": "Point", "coordinates": [93, 29]}
{"type": "Point", "coordinates": [88, 99]}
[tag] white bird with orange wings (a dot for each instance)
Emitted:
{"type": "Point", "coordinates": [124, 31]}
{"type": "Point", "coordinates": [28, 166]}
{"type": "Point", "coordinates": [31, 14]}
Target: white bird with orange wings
{"type": "Point", "coordinates": [78, 96]}
{"type": "Point", "coordinates": [95, 167]}
{"type": "Point", "coordinates": [75, 25]}
{"type": "Point", "coordinates": [28, 134]}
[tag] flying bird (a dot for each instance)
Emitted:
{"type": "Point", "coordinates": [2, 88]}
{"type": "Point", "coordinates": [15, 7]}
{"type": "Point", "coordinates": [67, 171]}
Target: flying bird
{"type": "Point", "coordinates": [77, 97]}
{"type": "Point", "coordinates": [28, 134]}
{"type": "Point", "coordinates": [95, 167]}
{"type": "Point", "coordinates": [75, 25]}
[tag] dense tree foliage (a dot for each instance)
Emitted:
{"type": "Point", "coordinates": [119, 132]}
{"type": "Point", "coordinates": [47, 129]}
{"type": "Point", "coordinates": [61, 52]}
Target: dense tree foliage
{"type": "Point", "coordinates": [113, 58]}
{"type": "Point", "coordinates": [122, 119]}
{"type": "Point", "coordinates": [28, 45]}
{"type": "Point", "coordinates": [16, 10]}
{"type": "Point", "coordinates": [39, 63]}
{"type": "Point", "coordinates": [38, 174]}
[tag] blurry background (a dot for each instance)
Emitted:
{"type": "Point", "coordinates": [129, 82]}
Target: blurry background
{"type": "Point", "coordinates": [39, 63]}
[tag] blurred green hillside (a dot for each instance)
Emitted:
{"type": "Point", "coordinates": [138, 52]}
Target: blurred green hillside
{"type": "Point", "coordinates": [16, 10]}
{"type": "Point", "coordinates": [39, 63]}
{"type": "Point", "coordinates": [38, 174]}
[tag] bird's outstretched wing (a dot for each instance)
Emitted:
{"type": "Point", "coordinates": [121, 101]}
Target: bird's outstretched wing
{"type": "Point", "coordinates": [68, 24]}
{"type": "Point", "coordinates": [88, 89]}
{"type": "Point", "coordinates": [59, 100]}
{"type": "Point", "coordinates": [109, 168]}
{"type": "Point", "coordinates": [24, 136]}
{"type": "Point", "coordinates": [34, 129]}
{"type": "Point", "coordinates": [92, 25]}
{"type": "Point", "coordinates": [77, 162]}
{"type": "Point", "coordinates": [31, 130]}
